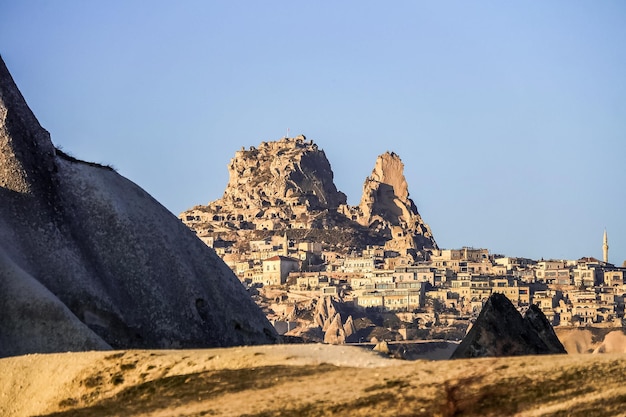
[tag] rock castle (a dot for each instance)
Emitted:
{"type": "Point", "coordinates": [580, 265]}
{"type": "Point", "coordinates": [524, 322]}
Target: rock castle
{"type": "Point", "coordinates": [288, 185]}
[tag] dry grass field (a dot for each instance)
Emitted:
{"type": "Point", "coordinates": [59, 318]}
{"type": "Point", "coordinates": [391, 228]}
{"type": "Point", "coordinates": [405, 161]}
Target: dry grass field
{"type": "Point", "coordinates": [307, 380]}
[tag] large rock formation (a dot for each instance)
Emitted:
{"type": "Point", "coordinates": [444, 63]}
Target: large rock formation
{"type": "Point", "coordinates": [328, 318]}
{"type": "Point", "coordinates": [88, 260]}
{"type": "Point", "coordinates": [290, 172]}
{"type": "Point", "coordinates": [288, 184]}
{"type": "Point", "coordinates": [279, 185]}
{"type": "Point", "coordinates": [386, 207]}
{"type": "Point", "coordinates": [500, 330]}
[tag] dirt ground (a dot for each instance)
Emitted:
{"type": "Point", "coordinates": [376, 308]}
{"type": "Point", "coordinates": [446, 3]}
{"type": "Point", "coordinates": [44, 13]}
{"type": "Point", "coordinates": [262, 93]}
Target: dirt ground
{"type": "Point", "coordinates": [307, 380]}
{"type": "Point", "coordinates": [592, 339]}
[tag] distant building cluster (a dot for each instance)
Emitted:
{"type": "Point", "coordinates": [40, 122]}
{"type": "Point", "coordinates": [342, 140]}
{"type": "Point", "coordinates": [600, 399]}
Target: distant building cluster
{"type": "Point", "coordinates": [451, 281]}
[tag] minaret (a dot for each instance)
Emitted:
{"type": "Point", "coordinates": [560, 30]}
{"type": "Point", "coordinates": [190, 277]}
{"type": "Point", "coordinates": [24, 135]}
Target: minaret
{"type": "Point", "coordinates": [605, 248]}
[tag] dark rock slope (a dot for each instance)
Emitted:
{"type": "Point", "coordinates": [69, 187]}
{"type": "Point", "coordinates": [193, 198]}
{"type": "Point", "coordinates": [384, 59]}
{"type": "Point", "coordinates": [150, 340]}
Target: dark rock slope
{"type": "Point", "coordinates": [288, 185]}
{"type": "Point", "coordinates": [500, 330]}
{"type": "Point", "coordinates": [89, 260]}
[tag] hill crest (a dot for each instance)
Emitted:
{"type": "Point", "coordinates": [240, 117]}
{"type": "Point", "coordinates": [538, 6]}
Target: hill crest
{"type": "Point", "coordinates": [288, 184]}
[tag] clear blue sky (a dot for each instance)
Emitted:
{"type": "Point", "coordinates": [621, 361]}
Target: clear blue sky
{"type": "Point", "coordinates": [510, 117]}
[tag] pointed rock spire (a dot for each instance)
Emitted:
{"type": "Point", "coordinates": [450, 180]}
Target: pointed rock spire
{"type": "Point", "coordinates": [26, 152]}
{"type": "Point", "coordinates": [335, 333]}
{"type": "Point", "coordinates": [349, 327]}
{"type": "Point", "coordinates": [500, 330]}
{"type": "Point", "coordinates": [324, 312]}
{"type": "Point", "coordinates": [537, 321]}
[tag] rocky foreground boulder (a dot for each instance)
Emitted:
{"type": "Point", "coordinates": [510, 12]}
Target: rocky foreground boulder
{"type": "Point", "coordinates": [500, 330]}
{"type": "Point", "coordinates": [89, 260]}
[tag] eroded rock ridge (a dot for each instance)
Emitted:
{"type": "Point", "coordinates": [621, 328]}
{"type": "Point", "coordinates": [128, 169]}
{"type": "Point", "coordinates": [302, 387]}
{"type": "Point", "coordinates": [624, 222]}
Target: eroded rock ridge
{"type": "Point", "coordinates": [288, 185]}
{"type": "Point", "coordinates": [386, 207]}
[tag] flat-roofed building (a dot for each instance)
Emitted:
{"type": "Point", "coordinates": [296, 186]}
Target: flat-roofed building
{"type": "Point", "coordinates": [613, 278]}
{"type": "Point", "coordinates": [277, 268]}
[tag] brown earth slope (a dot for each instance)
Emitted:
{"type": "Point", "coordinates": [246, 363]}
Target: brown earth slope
{"type": "Point", "coordinates": [592, 339]}
{"type": "Point", "coordinates": [307, 380]}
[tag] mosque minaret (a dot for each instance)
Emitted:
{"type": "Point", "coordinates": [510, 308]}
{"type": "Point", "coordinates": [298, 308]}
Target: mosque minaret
{"type": "Point", "coordinates": [605, 248]}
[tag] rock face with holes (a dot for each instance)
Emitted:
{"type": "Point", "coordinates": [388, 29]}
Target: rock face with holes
{"type": "Point", "coordinates": [500, 330]}
{"type": "Point", "coordinates": [89, 260]}
{"type": "Point", "coordinates": [288, 184]}
{"type": "Point", "coordinates": [278, 185]}
{"type": "Point", "coordinates": [289, 172]}
{"type": "Point", "coordinates": [386, 207]}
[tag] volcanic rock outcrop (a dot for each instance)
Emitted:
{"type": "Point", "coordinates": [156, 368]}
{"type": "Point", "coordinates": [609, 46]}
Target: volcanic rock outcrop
{"type": "Point", "coordinates": [328, 318]}
{"type": "Point", "coordinates": [279, 185]}
{"type": "Point", "coordinates": [500, 330]}
{"type": "Point", "coordinates": [290, 172]}
{"type": "Point", "coordinates": [88, 260]}
{"type": "Point", "coordinates": [288, 184]}
{"type": "Point", "coordinates": [386, 207]}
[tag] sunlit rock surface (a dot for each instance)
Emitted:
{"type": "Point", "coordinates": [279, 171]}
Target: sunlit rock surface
{"type": "Point", "coordinates": [288, 184]}
{"type": "Point", "coordinates": [386, 207]}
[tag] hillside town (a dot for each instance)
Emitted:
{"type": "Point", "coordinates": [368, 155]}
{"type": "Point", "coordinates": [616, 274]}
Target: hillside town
{"type": "Point", "coordinates": [324, 270]}
{"type": "Point", "coordinates": [452, 283]}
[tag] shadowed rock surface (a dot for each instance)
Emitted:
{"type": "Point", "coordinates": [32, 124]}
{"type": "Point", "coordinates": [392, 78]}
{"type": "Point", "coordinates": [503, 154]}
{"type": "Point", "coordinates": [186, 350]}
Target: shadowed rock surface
{"type": "Point", "coordinates": [277, 185]}
{"type": "Point", "coordinates": [500, 330]}
{"type": "Point", "coordinates": [88, 260]}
